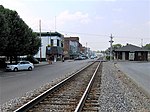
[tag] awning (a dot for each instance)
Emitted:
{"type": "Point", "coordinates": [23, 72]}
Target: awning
{"type": "Point", "coordinates": [54, 50]}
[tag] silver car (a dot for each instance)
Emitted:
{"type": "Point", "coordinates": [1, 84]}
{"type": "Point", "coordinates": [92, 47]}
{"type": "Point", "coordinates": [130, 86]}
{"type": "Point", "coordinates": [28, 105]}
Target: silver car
{"type": "Point", "coordinates": [22, 65]}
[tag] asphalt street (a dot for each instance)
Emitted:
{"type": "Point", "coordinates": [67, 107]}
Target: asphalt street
{"type": "Point", "coordinates": [138, 71]}
{"type": "Point", "coordinates": [16, 84]}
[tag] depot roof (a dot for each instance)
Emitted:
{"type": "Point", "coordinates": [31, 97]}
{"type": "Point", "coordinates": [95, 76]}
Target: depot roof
{"type": "Point", "coordinates": [130, 47]}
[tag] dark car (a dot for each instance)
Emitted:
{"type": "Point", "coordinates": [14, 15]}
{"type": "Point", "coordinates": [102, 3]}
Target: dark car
{"type": "Point", "coordinates": [80, 58]}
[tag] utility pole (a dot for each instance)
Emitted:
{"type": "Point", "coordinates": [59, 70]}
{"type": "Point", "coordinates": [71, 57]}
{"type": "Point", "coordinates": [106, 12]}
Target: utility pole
{"type": "Point", "coordinates": [41, 41]}
{"type": "Point", "coordinates": [50, 39]}
{"type": "Point", "coordinates": [86, 50]}
{"type": "Point", "coordinates": [111, 41]}
{"type": "Point", "coordinates": [141, 42]}
{"type": "Point", "coordinates": [55, 23]}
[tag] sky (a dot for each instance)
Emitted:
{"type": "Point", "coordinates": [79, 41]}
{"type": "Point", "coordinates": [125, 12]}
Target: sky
{"type": "Point", "coordinates": [93, 21]}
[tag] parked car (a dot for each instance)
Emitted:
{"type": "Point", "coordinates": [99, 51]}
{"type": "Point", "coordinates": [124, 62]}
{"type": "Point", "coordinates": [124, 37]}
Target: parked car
{"type": "Point", "coordinates": [80, 58]}
{"type": "Point", "coordinates": [22, 65]}
{"type": "Point", "coordinates": [92, 57]}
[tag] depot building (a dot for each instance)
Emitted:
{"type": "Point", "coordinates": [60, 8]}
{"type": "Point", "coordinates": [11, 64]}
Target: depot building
{"type": "Point", "coordinates": [132, 53]}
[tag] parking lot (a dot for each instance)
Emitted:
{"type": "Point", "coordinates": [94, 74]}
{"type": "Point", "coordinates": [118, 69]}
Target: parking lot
{"type": "Point", "coordinates": [139, 72]}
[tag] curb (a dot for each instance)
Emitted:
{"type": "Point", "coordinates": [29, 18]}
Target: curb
{"type": "Point", "coordinates": [37, 65]}
{"type": "Point", "coordinates": [2, 70]}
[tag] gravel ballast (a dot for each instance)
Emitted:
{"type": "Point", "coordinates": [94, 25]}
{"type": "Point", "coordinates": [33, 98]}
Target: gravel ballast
{"type": "Point", "coordinates": [118, 93]}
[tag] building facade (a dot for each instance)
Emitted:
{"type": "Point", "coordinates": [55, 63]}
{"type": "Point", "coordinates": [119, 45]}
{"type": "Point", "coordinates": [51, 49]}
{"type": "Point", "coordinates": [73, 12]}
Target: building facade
{"type": "Point", "coordinates": [52, 46]}
{"type": "Point", "coordinates": [71, 47]}
{"type": "Point", "coordinates": [132, 53]}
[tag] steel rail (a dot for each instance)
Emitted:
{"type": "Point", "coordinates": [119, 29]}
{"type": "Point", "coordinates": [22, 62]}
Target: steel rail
{"type": "Point", "coordinates": [42, 96]}
{"type": "Point", "coordinates": [83, 99]}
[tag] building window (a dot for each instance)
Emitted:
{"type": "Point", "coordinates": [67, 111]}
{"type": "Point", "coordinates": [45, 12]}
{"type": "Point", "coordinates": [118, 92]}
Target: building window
{"type": "Point", "coordinates": [61, 44]}
{"type": "Point", "coordinates": [57, 42]}
{"type": "Point", "coordinates": [139, 54]}
{"type": "Point", "coordinates": [52, 42]}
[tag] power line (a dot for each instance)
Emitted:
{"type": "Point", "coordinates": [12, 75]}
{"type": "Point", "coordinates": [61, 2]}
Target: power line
{"type": "Point", "coordinates": [124, 37]}
{"type": "Point", "coordinates": [85, 33]}
{"type": "Point", "coordinates": [103, 35]}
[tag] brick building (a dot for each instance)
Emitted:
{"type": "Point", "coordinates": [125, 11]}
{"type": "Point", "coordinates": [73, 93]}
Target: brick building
{"type": "Point", "coordinates": [72, 47]}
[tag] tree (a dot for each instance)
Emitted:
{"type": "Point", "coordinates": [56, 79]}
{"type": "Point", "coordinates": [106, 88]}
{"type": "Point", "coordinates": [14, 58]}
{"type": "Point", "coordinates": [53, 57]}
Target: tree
{"type": "Point", "coordinates": [3, 31]}
{"type": "Point", "coordinates": [20, 38]}
{"type": "Point", "coordinates": [147, 46]}
{"type": "Point", "coordinates": [98, 51]}
{"type": "Point", "coordinates": [107, 51]}
{"type": "Point", "coordinates": [116, 46]}
{"type": "Point", "coordinates": [34, 44]}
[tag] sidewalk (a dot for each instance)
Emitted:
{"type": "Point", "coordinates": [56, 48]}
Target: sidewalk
{"type": "Point", "coordinates": [2, 70]}
{"type": "Point", "coordinates": [41, 64]}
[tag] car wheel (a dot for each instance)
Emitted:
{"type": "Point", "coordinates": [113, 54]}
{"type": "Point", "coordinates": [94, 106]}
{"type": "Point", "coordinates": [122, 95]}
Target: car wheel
{"type": "Point", "coordinates": [30, 68]}
{"type": "Point", "coordinates": [15, 69]}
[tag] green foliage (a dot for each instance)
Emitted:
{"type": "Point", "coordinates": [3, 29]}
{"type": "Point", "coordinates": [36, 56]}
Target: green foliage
{"type": "Point", "coordinates": [4, 29]}
{"type": "Point", "coordinates": [98, 51]}
{"type": "Point", "coordinates": [32, 59]}
{"type": "Point", "coordinates": [116, 46]}
{"type": "Point", "coordinates": [147, 46]}
{"type": "Point", "coordinates": [16, 38]}
{"type": "Point", "coordinates": [107, 57]}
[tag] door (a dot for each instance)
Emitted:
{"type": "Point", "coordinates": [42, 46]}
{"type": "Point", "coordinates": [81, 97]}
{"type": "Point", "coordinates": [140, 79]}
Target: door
{"type": "Point", "coordinates": [131, 56]}
{"type": "Point", "coordinates": [21, 66]}
{"type": "Point", "coordinates": [123, 55]}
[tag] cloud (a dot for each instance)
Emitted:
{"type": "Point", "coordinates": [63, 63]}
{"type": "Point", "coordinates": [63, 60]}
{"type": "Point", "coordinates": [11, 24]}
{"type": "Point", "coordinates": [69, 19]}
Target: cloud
{"type": "Point", "coordinates": [67, 16]}
{"type": "Point", "coordinates": [148, 22]}
{"type": "Point", "coordinates": [14, 4]}
{"type": "Point", "coordinates": [110, 0]}
{"type": "Point", "coordinates": [117, 10]}
{"type": "Point", "coordinates": [62, 20]}
{"type": "Point", "coordinates": [99, 17]}
{"type": "Point", "coordinates": [118, 22]}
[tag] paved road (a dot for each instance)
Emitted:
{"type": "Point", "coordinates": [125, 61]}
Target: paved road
{"type": "Point", "coordinates": [15, 84]}
{"type": "Point", "coordinates": [139, 72]}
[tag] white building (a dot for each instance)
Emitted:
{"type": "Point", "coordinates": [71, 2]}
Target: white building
{"type": "Point", "coordinates": [52, 46]}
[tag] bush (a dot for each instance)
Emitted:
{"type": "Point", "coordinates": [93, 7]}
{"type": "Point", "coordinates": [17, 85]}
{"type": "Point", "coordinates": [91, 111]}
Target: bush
{"type": "Point", "coordinates": [32, 59]}
{"type": "Point", "coordinates": [2, 63]}
{"type": "Point", "coordinates": [107, 57]}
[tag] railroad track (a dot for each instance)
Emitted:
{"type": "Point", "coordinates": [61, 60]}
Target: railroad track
{"type": "Point", "coordinates": [92, 103]}
{"type": "Point", "coordinates": [69, 95]}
